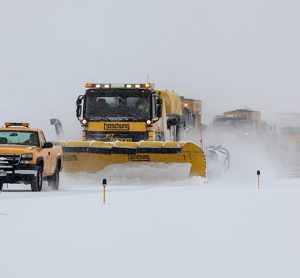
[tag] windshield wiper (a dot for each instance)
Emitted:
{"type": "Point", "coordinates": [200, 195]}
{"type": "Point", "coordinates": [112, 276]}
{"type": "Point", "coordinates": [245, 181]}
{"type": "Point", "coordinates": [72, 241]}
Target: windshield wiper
{"type": "Point", "coordinates": [97, 118]}
{"type": "Point", "coordinates": [125, 116]}
{"type": "Point", "coordinates": [118, 116]}
{"type": "Point", "coordinates": [134, 116]}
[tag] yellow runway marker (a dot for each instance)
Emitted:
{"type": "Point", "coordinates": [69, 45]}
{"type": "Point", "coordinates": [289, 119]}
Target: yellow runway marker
{"type": "Point", "coordinates": [104, 183]}
{"type": "Point", "coordinates": [258, 180]}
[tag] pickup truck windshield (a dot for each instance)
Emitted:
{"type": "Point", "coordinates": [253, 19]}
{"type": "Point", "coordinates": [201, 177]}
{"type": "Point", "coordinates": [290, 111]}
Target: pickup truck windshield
{"type": "Point", "coordinates": [29, 138]}
{"type": "Point", "coordinates": [118, 104]}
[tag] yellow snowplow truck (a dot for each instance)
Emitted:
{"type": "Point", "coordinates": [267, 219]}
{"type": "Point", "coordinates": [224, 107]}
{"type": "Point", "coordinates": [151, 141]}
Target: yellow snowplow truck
{"type": "Point", "coordinates": [133, 123]}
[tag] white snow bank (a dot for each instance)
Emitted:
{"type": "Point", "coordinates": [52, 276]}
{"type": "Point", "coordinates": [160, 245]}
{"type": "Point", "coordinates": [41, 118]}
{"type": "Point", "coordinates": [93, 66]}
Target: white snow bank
{"type": "Point", "coordinates": [194, 230]}
{"type": "Point", "coordinates": [137, 174]}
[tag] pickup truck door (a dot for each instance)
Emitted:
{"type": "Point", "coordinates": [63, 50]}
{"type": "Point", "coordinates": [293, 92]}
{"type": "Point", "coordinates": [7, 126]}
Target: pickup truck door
{"type": "Point", "coordinates": [46, 155]}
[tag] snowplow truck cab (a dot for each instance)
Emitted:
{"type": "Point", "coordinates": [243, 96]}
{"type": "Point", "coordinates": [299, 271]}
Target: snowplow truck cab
{"type": "Point", "coordinates": [130, 123]}
{"type": "Point", "coordinates": [119, 113]}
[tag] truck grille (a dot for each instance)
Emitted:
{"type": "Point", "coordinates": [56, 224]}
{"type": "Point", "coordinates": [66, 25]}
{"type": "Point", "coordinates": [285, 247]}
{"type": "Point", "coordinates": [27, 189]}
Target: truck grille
{"type": "Point", "coordinates": [114, 136]}
{"type": "Point", "coordinates": [7, 161]}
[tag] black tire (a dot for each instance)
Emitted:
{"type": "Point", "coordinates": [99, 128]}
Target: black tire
{"type": "Point", "coordinates": [1, 186]}
{"type": "Point", "coordinates": [53, 181]}
{"type": "Point", "coordinates": [37, 182]}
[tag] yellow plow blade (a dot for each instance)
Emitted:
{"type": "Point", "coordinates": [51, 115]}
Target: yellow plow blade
{"type": "Point", "coordinates": [93, 156]}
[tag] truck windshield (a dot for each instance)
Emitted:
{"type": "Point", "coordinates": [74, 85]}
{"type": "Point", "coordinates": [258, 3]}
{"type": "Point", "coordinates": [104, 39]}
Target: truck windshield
{"type": "Point", "coordinates": [118, 103]}
{"type": "Point", "coordinates": [29, 138]}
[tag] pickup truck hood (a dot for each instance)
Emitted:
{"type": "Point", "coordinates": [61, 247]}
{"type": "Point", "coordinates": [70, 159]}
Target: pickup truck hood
{"type": "Point", "coordinates": [16, 149]}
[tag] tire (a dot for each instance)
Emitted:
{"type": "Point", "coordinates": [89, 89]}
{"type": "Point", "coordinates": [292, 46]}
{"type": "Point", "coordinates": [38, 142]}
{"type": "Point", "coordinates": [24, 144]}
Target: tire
{"type": "Point", "coordinates": [1, 186]}
{"type": "Point", "coordinates": [37, 182]}
{"type": "Point", "coordinates": [53, 181]}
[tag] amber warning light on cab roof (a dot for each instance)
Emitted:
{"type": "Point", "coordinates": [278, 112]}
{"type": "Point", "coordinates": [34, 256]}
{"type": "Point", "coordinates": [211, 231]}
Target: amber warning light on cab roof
{"type": "Point", "coordinates": [17, 124]}
{"type": "Point", "coordinates": [128, 86]}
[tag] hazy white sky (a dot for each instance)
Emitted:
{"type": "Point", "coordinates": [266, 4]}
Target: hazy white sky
{"type": "Point", "coordinates": [230, 54]}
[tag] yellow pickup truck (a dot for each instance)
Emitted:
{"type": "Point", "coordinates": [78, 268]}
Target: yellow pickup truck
{"type": "Point", "coordinates": [26, 157]}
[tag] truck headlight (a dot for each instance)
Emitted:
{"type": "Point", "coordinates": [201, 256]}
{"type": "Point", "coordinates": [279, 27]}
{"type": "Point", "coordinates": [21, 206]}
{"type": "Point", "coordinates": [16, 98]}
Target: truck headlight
{"type": "Point", "coordinates": [26, 157]}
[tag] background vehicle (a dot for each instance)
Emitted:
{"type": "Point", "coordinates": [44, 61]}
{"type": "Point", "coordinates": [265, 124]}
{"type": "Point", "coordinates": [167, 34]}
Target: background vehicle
{"type": "Point", "coordinates": [288, 139]}
{"type": "Point", "coordinates": [26, 157]}
{"type": "Point", "coordinates": [241, 122]}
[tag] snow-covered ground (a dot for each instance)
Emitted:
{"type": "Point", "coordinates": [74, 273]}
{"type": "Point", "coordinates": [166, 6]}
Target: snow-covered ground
{"type": "Point", "coordinates": [190, 229]}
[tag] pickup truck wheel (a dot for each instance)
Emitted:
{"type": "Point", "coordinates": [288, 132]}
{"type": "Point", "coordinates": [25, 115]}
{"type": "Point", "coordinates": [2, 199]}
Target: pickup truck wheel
{"type": "Point", "coordinates": [54, 180]}
{"type": "Point", "coordinates": [37, 182]}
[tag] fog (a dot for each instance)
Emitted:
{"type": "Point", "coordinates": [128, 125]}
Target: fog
{"type": "Point", "coordinates": [230, 54]}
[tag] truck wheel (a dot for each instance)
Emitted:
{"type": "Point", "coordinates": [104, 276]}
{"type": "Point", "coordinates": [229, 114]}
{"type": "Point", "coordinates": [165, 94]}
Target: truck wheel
{"type": "Point", "coordinates": [37, 182]}
{"type": "Point", "coordinates": [1, 186]}
{"type": "Point", "coordinates": [54, 180]}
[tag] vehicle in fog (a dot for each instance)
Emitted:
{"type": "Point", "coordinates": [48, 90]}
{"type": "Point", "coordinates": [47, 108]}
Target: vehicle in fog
{"type": "Point", "coordinates": [241, 122]}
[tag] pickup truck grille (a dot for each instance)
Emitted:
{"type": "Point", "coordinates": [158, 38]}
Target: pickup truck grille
{"type": "Point", "coordinates": [7, 161]}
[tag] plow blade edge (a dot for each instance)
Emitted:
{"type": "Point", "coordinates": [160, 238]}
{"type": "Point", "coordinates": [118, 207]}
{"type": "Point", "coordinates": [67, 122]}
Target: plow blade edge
{"type": "Point", "coordinates": [93, 156]}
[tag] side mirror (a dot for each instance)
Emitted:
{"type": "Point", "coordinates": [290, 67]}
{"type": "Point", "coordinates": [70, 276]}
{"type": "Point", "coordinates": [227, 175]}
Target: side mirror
{"type": "Point", "coordinates": [79, 107]}
{"type": "Point", "coordinates": [78, 111]}
{"type": "Point", "coordinates": [79, 100]}
{"type": "Point", "coordinates": [48, 145]}
{"type": "Point", "coordinates": [159, 108]}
